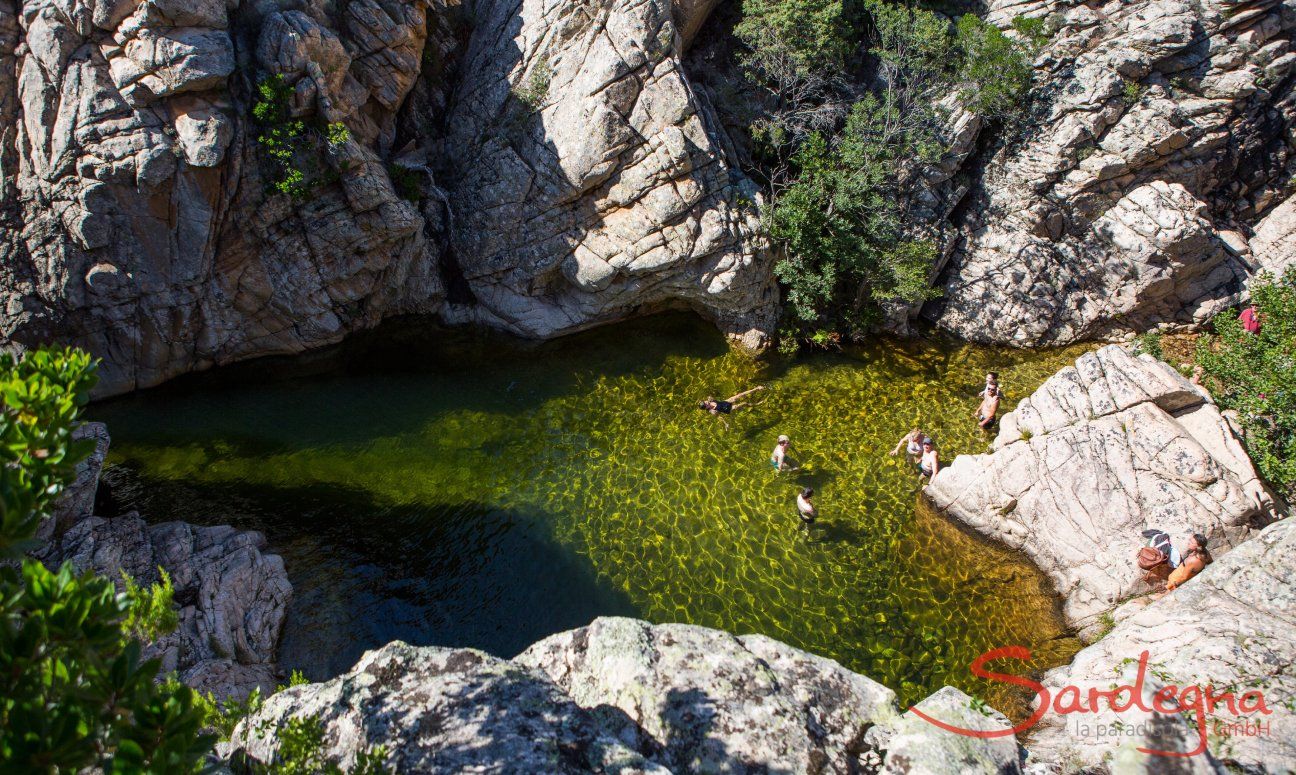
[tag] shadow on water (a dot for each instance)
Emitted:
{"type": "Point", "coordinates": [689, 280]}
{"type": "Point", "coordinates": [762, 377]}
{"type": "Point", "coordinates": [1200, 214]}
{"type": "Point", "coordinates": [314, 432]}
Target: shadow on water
{"type": "Point", "coordinates": [389, 379]}
{"type": "Point", "coordinates": [454, 574]}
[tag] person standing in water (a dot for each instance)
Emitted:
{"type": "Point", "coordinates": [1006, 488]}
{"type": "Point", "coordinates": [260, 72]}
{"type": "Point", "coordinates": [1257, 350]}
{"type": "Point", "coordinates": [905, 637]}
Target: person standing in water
{"type": "Point", "coordinates": [992, 381]}
{"type": "Point", "coordinates": [989, 407]}
{"type": "Point", "coordinates": [929, 461]}
{"type": "Point", "coordinates": [730, 405]}
{"type": "Point", "coordinates": [912, 444]}
{"type": "Point", "coordinates": [778, 458]}
{"type": "Point", "coordinates": [805, 507]}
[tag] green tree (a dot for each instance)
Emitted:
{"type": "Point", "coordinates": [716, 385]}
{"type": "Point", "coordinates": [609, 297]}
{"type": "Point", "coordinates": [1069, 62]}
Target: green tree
{"type": "Point", "coordinates": [996, 71]}
{"type": "Point", "coordinates": [74, 692]}
{"type": "Point", "coordinates": [1255, 374]}
{"type": "Point", "coordinates": [841, 160]}
{"type": "Point", "coordinates": [840, 227]}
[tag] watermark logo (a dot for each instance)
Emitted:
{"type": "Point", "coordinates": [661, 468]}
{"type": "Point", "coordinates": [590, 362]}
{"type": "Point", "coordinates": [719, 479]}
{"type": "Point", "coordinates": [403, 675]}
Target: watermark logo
{"type": "Point", "coordinates": [1199, 702]}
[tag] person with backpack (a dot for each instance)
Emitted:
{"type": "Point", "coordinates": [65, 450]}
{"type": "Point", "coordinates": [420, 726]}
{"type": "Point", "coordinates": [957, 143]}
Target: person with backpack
{"type": "Point", "coordinates": [1195, 561]}
{"type": "Point", "coordinates": [1158, 558]}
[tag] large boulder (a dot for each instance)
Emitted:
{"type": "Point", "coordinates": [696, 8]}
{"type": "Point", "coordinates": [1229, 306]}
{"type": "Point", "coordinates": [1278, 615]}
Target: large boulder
{"type": "Point", "coordinates": [586, 181]}
{"type": "Point", "coordinates": [626, 696]}
{"type": "Point", "coordinates": [1233, 627]}
{"type": "Point", "coordinates": [1159, 135]}
{"type": "Point", "coordinates": [1101, 451]}
{"type": "Point", "coordinates": [232, 596]}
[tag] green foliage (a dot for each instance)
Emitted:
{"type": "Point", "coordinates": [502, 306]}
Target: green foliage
{"type": "Point", "coordinates": [1132, 92]}
{"type": "Point", "coordinates": [838, 160]}
{"type": "Point", "coordinates": [221, 716]}
{"type": "Point", "coordinates": [294, 679]}
{"type": "Point", "coordinates": [151, 611]}
{"type": "Point", "coordinates": [337, 134]}
{"type": "Point", "coordinates": [281, 136]}
{"type": "Point", "coordinates": [40, 397]}
{"type": "Point", "coordinates": [803, 36]}
{"type": "Point", "coordinates": [996, 71]}
{"type": "Point", "coordinates": [537, 86]}
{"type": "Point", "coordinates": [74, 692]}
{"type": "Point", "coordinates": [1149, 343]}
{"type": "Point", "coordinates": [301, 752]}
{"type": "Point", "coordinates": [840, 223]}
{"type": "Point", "coordinates": [1255, 374]}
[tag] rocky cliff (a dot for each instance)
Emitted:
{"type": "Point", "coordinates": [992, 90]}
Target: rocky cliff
{"type": "Point", "coordinates": [544, 166]}
{"type": "Point", "coordinates": [537, 166]}
{"type": "Point", "coordinates": [624, 696]}
{"type": "Point", "coordinates": [1147, 184]}
{"type": "Point", "coordinates": [1233, 628]}
{"type": "Point", "coordinates": [1101, 451]}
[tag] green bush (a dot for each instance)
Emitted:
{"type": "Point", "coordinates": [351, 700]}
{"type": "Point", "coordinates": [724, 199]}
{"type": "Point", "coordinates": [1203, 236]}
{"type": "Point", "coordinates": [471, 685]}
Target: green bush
{"type": "Point", "coordinates": [281, 136]}
{"type": "Point", "coordinates": [996, 71]}
{"type": "Point", "coordinates": [840, 227]}
{"type": "Point", "coordinates": [300, 752]}
{"type": "Point", "coordinates": [74, 692]}
{"type": "Point", "coordinates": [337, 134]}
{"type": "Point", "coordinates": [537, 86]}
{"type": "Point", "coordinates": [1255, 374]}
{"type": "Point", "coordinates": [1150, 344]}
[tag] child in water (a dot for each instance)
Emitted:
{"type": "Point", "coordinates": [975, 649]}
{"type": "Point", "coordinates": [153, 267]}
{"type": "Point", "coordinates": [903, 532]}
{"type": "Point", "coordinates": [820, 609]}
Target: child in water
{"type": "Point", "coordinates": [778, 458]}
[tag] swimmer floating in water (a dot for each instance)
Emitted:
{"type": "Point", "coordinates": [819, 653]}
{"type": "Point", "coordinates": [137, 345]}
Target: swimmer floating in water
{"type": "Point", "coordinates": [731, 404]}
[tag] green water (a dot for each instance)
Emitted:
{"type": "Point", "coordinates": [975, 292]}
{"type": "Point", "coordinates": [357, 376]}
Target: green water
{"type": "Point", "coordinates": [463, 489]}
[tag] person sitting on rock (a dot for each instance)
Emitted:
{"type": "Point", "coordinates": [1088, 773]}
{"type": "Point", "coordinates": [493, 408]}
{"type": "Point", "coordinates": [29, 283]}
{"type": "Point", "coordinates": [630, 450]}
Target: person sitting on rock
{"type": "Point", "coordinates": [727, 406]}
{"type": "Point", "coordinates": [912, 444]}
{"type": "Point", "coordinates": [1195, 558]}
{"type": "Point", "coordinates": [989, 407]}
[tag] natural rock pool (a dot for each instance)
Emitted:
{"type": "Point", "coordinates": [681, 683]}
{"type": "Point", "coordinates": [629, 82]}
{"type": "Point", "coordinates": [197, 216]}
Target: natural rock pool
{"type": "Point", "coordinates": [458, 488]}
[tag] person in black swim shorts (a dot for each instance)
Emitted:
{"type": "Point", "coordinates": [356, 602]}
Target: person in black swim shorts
{"type": "Point", "coordinates": [728, 406]}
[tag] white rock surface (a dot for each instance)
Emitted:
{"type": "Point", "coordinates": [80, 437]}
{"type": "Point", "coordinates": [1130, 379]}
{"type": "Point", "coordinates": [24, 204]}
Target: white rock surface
{"type": "Point", "coordinates": [1158, 131]}
{"type": "Point", "coordinates": [1103, 450]}
{"type": "Point", "coordinates": [623, 695]}
{"type": "Point", "coordinates": [1233, 626]}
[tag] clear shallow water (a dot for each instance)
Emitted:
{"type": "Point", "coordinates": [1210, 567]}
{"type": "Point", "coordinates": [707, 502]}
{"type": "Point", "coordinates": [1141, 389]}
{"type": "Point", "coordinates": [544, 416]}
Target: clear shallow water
{"type": "Point", "coordinates": [462, 489]}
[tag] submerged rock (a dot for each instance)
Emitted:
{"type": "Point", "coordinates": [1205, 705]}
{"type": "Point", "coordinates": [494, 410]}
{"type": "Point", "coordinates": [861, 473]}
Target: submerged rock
{"type": "Point", "coordinates": [626, 696]}
{"type": "Point", "coordinates": [1100, 452]}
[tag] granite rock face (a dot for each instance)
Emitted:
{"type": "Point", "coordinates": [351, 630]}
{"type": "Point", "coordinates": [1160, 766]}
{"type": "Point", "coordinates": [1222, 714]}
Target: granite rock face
{"type": "Point", "coordinates": [622, 695]}
{"type": "Point", "coordinates": [1160, 136]}
{"type": "Point", "coordinates": [142, 220]}
{"type": "Point", "coordinates": [232, 595]}
{"type": "Point", "coordinates": [586, 183]}
{"type": "Point", "coordinates": [1234, 626]}
{"type": "Point", "coordinates": [1103, 450]}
